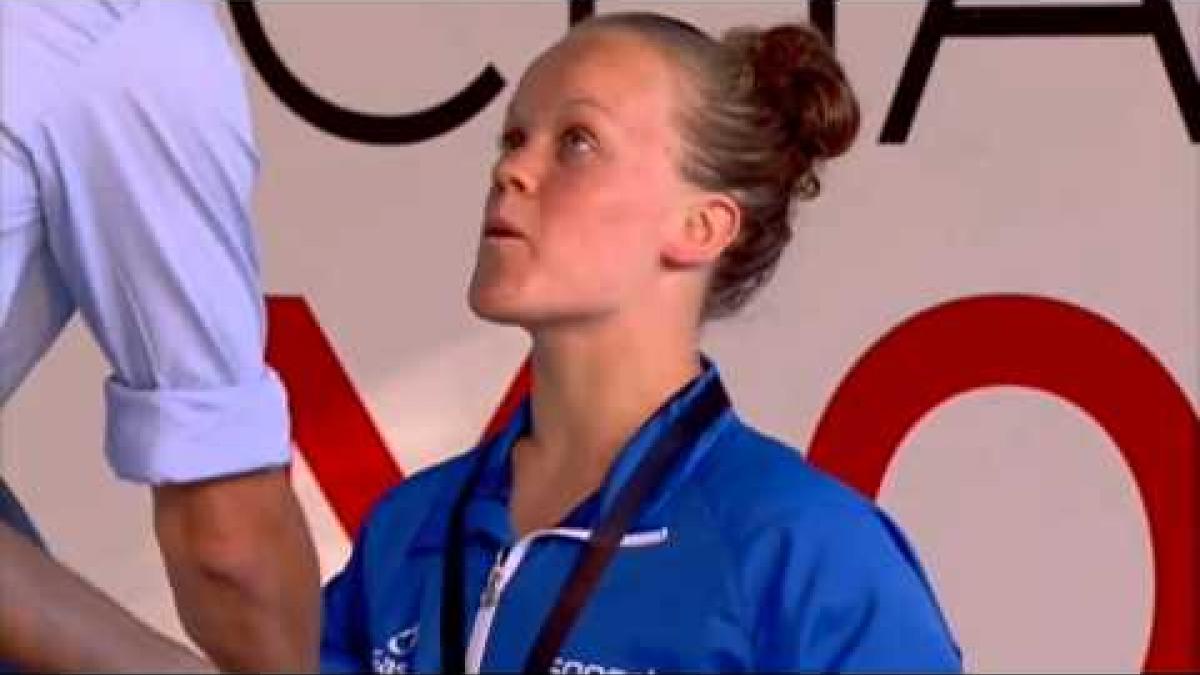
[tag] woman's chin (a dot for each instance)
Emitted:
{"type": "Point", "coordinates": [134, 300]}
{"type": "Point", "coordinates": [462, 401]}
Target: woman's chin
{"type": "Point", "coordinates": [496, 308]}
{"type": "Point", "coordinates": [516, 307]}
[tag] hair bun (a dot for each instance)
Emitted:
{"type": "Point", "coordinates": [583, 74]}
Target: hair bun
{"type": "Point", "coordinates": [802, 87]}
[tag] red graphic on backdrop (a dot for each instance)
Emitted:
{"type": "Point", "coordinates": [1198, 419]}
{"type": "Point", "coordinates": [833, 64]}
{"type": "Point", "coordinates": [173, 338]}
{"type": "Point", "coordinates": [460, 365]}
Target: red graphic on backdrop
{"type": "Point", "coordinates": [330, 425]}
{"type": "Point", "coordinates": [1057, 348]}
{"type": "Point", "coordinates": [950, 349]}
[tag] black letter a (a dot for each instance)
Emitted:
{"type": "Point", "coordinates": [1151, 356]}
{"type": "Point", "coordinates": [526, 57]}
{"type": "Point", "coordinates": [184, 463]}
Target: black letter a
{"type": "Point", "coordinates": [942, 19]}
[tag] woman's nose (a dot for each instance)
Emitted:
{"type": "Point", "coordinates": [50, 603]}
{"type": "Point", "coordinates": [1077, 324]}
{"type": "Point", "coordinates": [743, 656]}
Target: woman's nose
{"type": "Point", "coordinates": [513, 173]}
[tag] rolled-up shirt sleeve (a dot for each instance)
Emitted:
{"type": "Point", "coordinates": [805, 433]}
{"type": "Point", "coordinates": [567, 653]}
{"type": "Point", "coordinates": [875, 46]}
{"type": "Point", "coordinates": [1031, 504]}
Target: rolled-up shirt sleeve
{"type": "Point", "coordinates": [180, 435]}
{"type": "Point", "coordinates": [147, 177]}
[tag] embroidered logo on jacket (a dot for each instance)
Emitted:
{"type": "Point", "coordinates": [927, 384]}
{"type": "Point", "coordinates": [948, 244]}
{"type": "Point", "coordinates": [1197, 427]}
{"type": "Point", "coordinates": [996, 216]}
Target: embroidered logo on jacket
{"type": "Point", "coordinates": [568, 666]}
{"type": "Point", "coordinates": [396, 656]}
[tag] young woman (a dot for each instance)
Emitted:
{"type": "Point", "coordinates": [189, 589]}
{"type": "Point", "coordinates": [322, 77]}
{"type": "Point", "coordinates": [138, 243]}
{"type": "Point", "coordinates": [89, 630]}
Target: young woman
{"type": "Point", "coordinates": [626, 520]}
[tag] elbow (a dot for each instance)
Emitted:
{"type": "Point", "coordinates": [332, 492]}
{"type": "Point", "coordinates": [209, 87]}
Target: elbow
{"type": "Point", "coordinates": [228, 536]}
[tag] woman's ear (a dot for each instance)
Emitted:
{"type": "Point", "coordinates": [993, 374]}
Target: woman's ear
{"type": "Point", "coordinates": [710, 225]}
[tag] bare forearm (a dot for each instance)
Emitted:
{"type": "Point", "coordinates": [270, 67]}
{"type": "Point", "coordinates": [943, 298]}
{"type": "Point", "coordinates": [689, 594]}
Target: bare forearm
{"type": "Point", "coordinates": [53, 621]}
{"type": "Point", "coordinates": [244, 571]}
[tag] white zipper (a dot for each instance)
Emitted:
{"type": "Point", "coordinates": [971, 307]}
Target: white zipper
{"type": "Point", "coordinates": [504, 568]}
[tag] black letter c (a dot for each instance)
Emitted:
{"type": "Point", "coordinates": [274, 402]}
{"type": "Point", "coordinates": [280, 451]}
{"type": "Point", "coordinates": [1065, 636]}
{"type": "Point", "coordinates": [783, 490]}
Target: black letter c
{"type": "Point", "coordinates": [352, 124]}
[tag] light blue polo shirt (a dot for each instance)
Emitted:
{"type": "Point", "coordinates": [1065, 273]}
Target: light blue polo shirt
{"type": "Point", "coordinates": [127, 163]}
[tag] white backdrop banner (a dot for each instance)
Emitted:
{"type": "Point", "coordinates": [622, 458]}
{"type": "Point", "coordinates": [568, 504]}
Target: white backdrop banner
{"type": "Point", "coordinates": [989, 320]}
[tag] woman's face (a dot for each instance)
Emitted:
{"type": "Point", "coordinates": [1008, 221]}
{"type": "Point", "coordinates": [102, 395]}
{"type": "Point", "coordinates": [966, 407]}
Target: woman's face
{"type": "Point", "coordinates": [586, 186]}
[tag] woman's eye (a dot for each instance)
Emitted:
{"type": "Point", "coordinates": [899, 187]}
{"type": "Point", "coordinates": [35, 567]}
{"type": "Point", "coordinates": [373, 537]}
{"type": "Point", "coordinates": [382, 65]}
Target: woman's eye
{"type": "Point", "coordinates": [511, 139]}
{"type": "Point", "coordinates": [577, 141]}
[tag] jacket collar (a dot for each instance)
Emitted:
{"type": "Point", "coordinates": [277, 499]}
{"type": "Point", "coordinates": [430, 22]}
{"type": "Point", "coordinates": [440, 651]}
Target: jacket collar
{"type": "Point", "coordinates": [486, 514]}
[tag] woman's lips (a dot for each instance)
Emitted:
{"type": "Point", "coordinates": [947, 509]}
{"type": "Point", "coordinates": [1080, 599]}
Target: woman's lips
{"type": "Point", "coordinates": [501, 228]}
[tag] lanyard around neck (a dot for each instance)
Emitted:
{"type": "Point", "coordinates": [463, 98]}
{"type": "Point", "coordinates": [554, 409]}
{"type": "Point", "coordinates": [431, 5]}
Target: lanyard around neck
{"type": "Point", "coordinates": [710, 403]}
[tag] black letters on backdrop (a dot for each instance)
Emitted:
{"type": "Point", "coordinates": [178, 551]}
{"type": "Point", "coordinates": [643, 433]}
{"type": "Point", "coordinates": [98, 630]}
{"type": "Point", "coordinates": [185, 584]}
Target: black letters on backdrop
{"type": "Point", "coordinates": [363, 127]}
{"type": "Point", "coordinates": [941, 19]}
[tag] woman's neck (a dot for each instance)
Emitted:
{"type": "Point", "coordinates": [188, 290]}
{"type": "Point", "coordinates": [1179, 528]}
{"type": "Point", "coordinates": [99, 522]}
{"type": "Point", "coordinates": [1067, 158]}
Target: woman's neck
{"type": "Point", "coordinates": [593, 390]}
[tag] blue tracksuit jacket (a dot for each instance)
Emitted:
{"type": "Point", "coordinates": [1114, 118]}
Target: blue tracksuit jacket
{"type": "Point", "coordinates": [745, 558]}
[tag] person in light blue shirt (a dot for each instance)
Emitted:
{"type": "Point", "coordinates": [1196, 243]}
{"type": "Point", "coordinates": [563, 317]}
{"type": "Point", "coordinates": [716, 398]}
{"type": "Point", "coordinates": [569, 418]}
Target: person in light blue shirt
{"type": "Point", "coordinates": [626, 519]}
{"type": "Point", "coordinates": [127, 163]}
